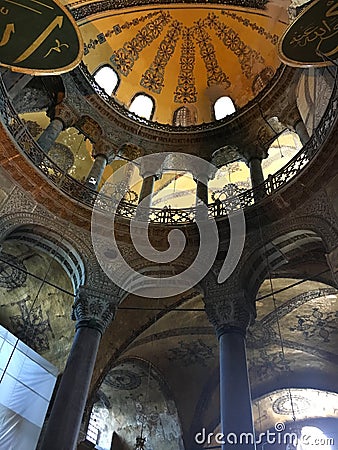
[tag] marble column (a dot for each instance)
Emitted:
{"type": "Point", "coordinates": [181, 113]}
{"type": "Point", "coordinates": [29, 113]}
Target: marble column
{"type": "Point", "coordinates": [292, 119]}
{"type": "Point", "coordinates": [50, 134]}
{"type": "Point", "coordinates": [231, 315]}
{"type": "Point", "coordinates": [95, 174]}
{"type": "Point", "coordinates": [63, 117]}
{"type": "Point", "coordinates": [202, 191]}
{"type": "Point", "coordinates": [66, 415]}
{"type": "Point", "coordinates": [256, 171]}
{"type": "Point", "coordinates": [14, 82]}
{"type": "Point", "coordinates": [302, 132]}
{"type": "Point", "coordinates": [147, 190]}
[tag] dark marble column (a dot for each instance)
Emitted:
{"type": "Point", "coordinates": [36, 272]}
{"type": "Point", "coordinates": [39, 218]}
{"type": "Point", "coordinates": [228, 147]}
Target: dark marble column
{"type": "Point", "coordinates": [14, 82]}
{"type": "Point", "coordinates": [63, 117]}
{"type": "Point", "coordinates": [95, 174]}
{"type": "Point", "coordinates": [50, 134]}
{"type": "Point", "coordinates": [66, 415]}
{"type": "Point", "coordinates": [256, 171]}
{"type": "Point", "coordinates": [231, 314]}
{"type": "Point", "coordinates": [302, 132]}
{"type": "Point", "coordinates": [147, 190]}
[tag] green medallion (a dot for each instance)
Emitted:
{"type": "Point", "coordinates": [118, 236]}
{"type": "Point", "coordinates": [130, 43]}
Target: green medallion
{"type": "Point", "coordinates": [38, 37]}
{"type": "Point", "coordinates": [312, 39]}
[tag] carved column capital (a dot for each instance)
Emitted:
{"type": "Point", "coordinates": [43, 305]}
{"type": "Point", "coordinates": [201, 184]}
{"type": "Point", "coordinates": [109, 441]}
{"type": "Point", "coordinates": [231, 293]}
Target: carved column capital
{"type": "Point", "coordinates": [131, 151]}
{"type": "Point", "coordinates": [104, 148]}
{"type": "Point", "coordinates": [94, 308]}
{"type": "Point", "coordinates": [65, 114]}
{"type": "Point", "coordinates": [151, 165]}
{"type": "Point", "coordinates": [229, 311]}
{"type": "Point", "coordinates": [290, 116]}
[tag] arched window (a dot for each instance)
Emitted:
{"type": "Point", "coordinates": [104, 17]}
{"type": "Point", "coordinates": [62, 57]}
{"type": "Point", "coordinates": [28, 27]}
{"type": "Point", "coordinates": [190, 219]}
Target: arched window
{"type": "Point", "coordinates": [223, 106]}
{"type": "Point", "coordinates": [143, 106]}
{"type": "Point", "coordinates": [184, 117]}
{"type": "Point", "coordinates": [107, 78]}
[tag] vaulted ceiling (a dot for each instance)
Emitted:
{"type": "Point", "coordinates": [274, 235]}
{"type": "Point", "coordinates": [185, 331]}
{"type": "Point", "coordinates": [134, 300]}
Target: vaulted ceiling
{"type": "Point", "coordinates": [185, 54]}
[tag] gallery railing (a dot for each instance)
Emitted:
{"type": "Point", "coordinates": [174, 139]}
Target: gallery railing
{"type": "Point", "coordinates": [230, 200]}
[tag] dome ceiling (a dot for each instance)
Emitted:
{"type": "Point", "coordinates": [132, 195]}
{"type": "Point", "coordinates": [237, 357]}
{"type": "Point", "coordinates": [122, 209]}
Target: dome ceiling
{"type": "Point", "coordinates": [186, 55]}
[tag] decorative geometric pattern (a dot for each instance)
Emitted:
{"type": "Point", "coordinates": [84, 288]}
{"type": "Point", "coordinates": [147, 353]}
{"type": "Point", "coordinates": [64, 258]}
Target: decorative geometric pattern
{"type": "Point", "coordinates": [263, 364]}
{"type": "Point", "coordinates": [186, 90]}
{"type": "Point", "coordinates": [111, 5]}
{"type": "Point", "coordinates": [153, 78]}
{"type": "Point", "coordinates": [117, 29]}
{"type": "Point", "coordinates": [289, 405]}
{"type": "Point", "coordinates": [33, 127]}
{"type": "Point", "coordinates": [30, 326]}
{"type": "Point", "coordinates": [215, 75]}
{"type": "Point", "coordinates": [247, 57]}
{"type": "Point", "coordinates": [122, 379]}
{"type": "Point", "coordinates": [273, 38]}
{"type": "Point", "coordinates": [62, 155]}
{"type": "Point", "coordinates": [197, 352]}
{"type": "Point", "coordinates": [123, 59]}
{"type": "Point", "coordinates": [11, 277]}
{"type": "Point", "coordinates": [317, 324]}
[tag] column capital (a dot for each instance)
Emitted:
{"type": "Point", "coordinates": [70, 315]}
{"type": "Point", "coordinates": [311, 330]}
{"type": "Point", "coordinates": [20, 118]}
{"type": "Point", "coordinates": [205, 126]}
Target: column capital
{"type": "Point", "coordinates": [65, 114]}
{"type": "Point", "coordinates": [290, 116]}
{"type": "Point", "coordinates": [229, 312]}
{"type": "Point", "coordinates": [131, 151]}
{"type": "Point", "coordinates": [151, 165]}
{"type": "Point", "coordinates": [104, 148]}
{"type": "Point", "coordinates": [94, 308]}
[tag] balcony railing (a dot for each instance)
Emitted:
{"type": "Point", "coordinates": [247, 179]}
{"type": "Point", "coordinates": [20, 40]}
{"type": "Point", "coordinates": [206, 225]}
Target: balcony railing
{"type": "Point", "coordinates": [218, 209]}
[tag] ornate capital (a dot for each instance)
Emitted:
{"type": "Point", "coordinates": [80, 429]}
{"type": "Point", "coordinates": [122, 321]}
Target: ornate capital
{"type": "Point", "coordinates": [104, 148]}
{"type": "Point", "coordinates": [94, 308]}
{"type": "Point", "coordinates": [290, 116]}
{"type": "Point", "coordinates": [131, 151]}
{"type": "Point", "coordinates": [229, 311]}
{"type": "Point", "coordinates": [65, 114]}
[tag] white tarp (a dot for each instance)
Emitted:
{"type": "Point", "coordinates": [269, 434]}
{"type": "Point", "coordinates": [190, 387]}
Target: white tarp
{"type": "Point", "coordinates": [26, 384]}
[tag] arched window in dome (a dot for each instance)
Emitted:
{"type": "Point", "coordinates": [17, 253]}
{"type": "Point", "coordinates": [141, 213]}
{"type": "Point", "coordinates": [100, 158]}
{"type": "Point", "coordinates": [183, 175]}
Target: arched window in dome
{"type": "Point", "coordinates": [107, 78]}
{"type": "Point", "coordinates": [184, 117]}
{"type": "Point", "coordinates": [143, 105]}
{"type": "Point", "coordinates": [223, 106]}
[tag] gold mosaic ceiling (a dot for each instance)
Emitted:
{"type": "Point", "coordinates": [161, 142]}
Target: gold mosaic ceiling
{"type": "Point", "coordinates": [186, 54]}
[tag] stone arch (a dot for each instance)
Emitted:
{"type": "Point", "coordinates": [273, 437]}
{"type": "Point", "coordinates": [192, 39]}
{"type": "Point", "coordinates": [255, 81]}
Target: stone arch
{"type": "Point", "coordinates": [53, 232]}
{"type": "Point", "coordinates": [253, 267]}
{"type": "Point", "coordinates": [140, 394]}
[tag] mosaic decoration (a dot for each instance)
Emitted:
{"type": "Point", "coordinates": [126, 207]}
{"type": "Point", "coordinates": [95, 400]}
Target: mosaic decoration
{"type": "Point", "coordinates": [186, 90]}
{"type": "Point", "coordinates": [263, 364]}
{"type": "Point", "coordinates": [12, 272]}
{"type": "Point", "coordinates": [33, 127]}
{"type": "Point", "coordinates": [31, 327]}
{"type": "Point", "coordinates": [62, 156]}
{"type": "Point", "coordinates": [117, 29]}
{"type": "Point", "coordinates": [106, 5]}
{"type": "Point", "coordinates": [317, 324]}
{"type": "Point", "coordinates": [284, 406]}
{"type": "Point", "coordinates": [153, 78]}
{"type": "Point", "coordinates": [196, 352]}
{"type": "Point", "coordinates": [273, 38]}
{"type": "Point", "coordinates": [247, 57]}
{"type": "Point", "coordinates": [123, 59]}
{"type": "Point", "coordinates": [122, 379]}
{"type": "Point", "coordinates": [215, 75]}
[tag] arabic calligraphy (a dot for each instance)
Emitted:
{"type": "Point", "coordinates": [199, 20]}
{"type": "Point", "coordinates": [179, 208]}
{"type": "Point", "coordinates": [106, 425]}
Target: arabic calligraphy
{"type": "Point", "coordinates": [50, 44]}
{"type": "Point", "coordinates": [312, 38]}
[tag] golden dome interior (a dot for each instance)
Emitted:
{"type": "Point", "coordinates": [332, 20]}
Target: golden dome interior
{"type": "Point", "coordinates": [186, 54]}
